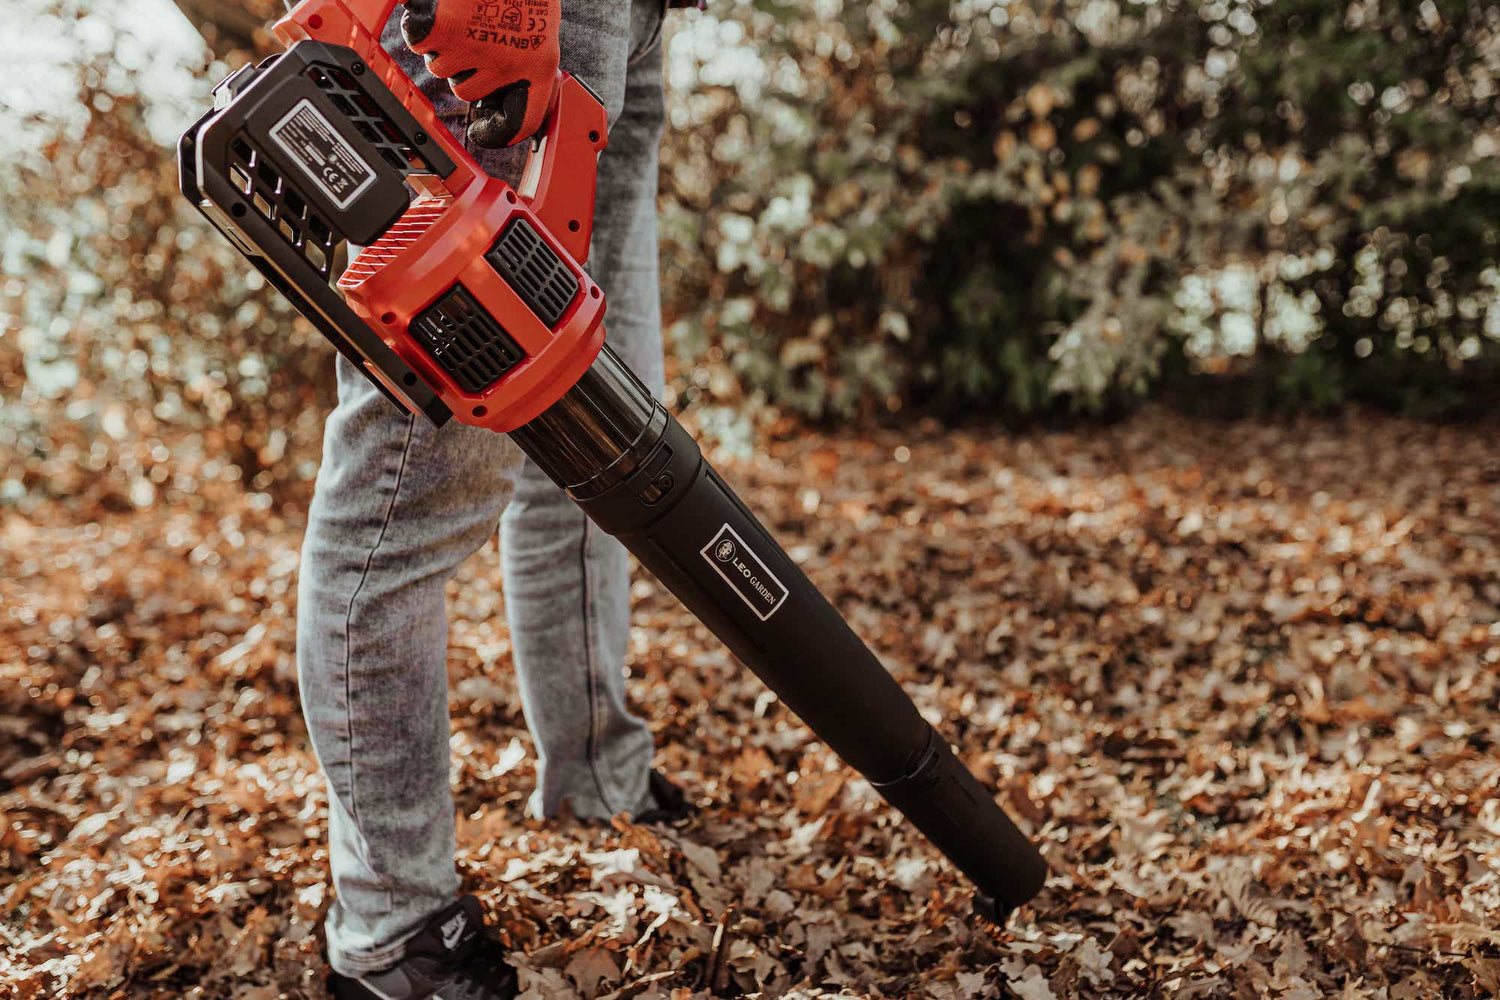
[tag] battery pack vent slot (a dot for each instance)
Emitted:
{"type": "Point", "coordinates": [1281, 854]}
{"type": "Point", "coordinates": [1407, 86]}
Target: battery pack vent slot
{"type": "Point", "coordinates": [534, 270]}
{"type": "Point", "coordinates": [363, 112]}
{"type": "Point", "coordinates": [298, 225]}
{"type": "Point", "coordinates": [466, 341]}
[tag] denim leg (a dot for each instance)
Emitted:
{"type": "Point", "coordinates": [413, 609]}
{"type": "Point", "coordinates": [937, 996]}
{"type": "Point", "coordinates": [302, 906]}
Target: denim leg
{"type": "Point", "coordinates": [400, 505]}
{"type": "Point", "coordinates": [567, 587]}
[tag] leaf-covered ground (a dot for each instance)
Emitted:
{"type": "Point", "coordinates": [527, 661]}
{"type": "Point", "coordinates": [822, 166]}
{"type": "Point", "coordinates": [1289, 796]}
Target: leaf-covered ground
{"type": "Point", "coordinates": [1242, 681]}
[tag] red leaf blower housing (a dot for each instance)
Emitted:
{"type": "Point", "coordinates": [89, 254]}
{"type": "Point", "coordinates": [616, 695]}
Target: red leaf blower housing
{"type": "Point", "coordinates": [469, 300]}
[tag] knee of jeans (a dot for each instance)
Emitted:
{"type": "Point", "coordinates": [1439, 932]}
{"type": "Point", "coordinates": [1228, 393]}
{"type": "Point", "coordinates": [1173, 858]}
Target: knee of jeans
{"type": "Point", "coordinates": [544, 546]}
{"type": "Point", "coordinates": [536, 496]}
{"type": "Point", "coordinates": [400, 543]}
{"type": "Point", "coordinates": [332, 567]}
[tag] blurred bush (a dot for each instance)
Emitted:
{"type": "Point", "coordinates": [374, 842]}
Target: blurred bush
{"type": "Point", "coordinates": [125, 320]}
{"type": "Point", "coordinates": [1029, 205]}
{"type": "Point", "coordinates": [961, 207]}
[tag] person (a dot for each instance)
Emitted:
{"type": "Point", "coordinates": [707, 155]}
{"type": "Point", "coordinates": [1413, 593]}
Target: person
{"type": "Point", "coordinates": [399, 505]}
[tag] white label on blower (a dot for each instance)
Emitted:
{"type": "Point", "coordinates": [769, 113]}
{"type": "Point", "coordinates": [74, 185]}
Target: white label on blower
{"type": "Point", "coordinates": [742, 569]}
{"type": "Point", "coordinates": [311, 140]}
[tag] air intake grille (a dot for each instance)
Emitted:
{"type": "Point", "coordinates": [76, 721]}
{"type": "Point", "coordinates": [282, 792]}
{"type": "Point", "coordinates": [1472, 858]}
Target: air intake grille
{"type": "Point", "coordinates": [465, 340]}
{"type": "Point", "coordinates": [537, 274]}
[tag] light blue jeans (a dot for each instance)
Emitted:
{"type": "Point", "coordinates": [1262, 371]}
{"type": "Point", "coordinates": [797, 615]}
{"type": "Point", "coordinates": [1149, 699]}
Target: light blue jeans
{"type": "Point", "coordinates": [400, 505]}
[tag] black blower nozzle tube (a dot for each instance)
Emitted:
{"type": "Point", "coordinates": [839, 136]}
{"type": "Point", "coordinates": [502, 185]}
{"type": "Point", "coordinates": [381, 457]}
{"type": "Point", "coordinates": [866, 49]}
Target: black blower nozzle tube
{"type": "Point", "coordinates": [642, 478]}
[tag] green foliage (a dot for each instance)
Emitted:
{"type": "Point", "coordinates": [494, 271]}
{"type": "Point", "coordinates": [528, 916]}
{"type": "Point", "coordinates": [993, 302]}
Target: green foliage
{"type": "Point", "coordinates": [976, 206]}
{"type": "Point", "coordinates": [1015, 207]}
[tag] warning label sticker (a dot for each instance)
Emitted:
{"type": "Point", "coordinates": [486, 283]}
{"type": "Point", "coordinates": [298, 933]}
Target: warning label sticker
{"type": "Point", "coordinates": [327, 157]}
{"type": "Point", "coordinates": [742, 569]}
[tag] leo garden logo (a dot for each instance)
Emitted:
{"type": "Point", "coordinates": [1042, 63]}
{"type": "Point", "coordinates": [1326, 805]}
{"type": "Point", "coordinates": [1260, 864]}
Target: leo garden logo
{"type": "Point", "coordinates": [745, 572]}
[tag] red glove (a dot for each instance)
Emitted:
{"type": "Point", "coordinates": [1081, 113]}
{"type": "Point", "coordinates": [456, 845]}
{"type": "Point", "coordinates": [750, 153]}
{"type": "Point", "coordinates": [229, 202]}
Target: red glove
{"type": "Point", "coordinates": [499, 55]}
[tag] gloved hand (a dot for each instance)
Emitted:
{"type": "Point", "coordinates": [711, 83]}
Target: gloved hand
{"type": "Point", "coordinates": [499, 55]}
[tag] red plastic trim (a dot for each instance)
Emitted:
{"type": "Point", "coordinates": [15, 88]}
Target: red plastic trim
{"type": "Point", "coordinates": [442, 240]}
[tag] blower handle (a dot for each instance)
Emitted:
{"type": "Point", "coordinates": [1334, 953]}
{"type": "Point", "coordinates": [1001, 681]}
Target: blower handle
{"type": "Point", "coordinates": [561, 168]}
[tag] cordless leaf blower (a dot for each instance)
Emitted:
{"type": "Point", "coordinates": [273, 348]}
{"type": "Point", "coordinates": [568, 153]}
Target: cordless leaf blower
{"type": "Point", "coordinates": [469, 300]}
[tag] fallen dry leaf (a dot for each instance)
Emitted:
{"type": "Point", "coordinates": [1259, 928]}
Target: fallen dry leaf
{"type": "Point", "coordinates": [1242, 680]}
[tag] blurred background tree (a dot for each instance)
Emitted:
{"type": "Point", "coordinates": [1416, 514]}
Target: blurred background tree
{"type": "Point", "coordinates": [125, 321]}
{"type": "Point", "coordinates": [976, 207]}
{"type": "Point", "coordinates": [1014, 208]}
{"type": "Point", "coordinates": [230, 26]}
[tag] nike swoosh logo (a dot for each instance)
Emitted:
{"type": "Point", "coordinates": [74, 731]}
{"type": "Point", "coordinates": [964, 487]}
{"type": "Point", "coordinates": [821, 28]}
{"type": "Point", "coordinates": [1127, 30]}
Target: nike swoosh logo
{"type": "Point", "coordinates": [449, 940]}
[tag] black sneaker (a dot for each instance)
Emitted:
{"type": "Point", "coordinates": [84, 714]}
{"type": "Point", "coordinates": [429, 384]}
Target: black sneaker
{"type": "Point", "coordinates": [669, 803]}
{"type": "Point", "coordinates": [450, 959]}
